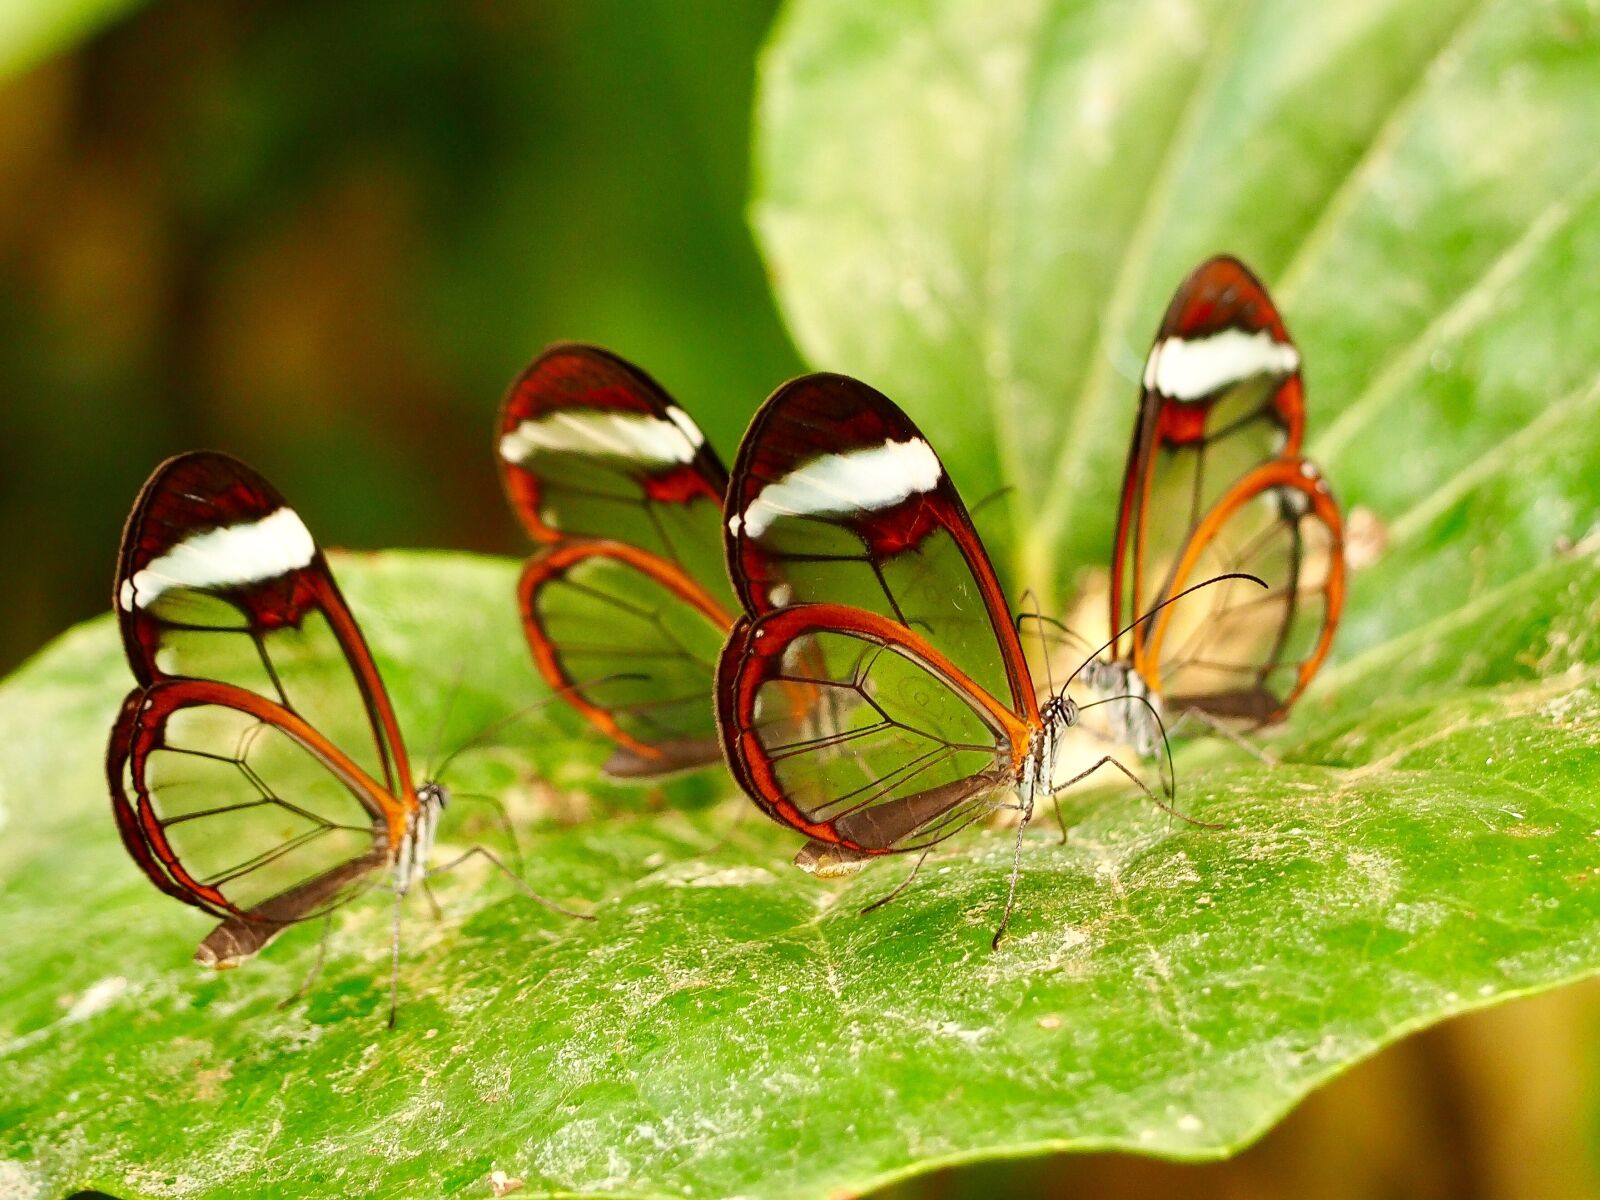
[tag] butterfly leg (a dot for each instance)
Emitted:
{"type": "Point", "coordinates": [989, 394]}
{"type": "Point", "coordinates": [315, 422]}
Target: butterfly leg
{"type": "Point", "coordinates": [433, 901]}
{"type": "Point", "coordinates": [485, 852]}
{"type": "Point", "coordinates": [1016, 871]}
{"type": "Point", "coordinates": [316, 966]}
{"type": "Point", "coordinates": [1227, 733]}
{"type": "Point", "coordinates": [394, 959]}
{"type": "Point", "coordinates": [1055, 799]}
{"type": "Point", "coordinates": [1108, 760]}
{"type": "Point", "coordinates": [502, 818]}
{"type": "Point", "coordinates": [733, 832]}
{"type": "Point", "coordinates": [902, 886]}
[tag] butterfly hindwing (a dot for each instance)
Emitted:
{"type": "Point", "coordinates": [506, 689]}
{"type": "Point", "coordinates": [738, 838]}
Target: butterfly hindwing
{"type": "Point", "coordinates": [632, 643]}
{"type": "Point", "coordinates": [197, 773]}
{"type": "Point", "coordinates": [1233, 650]}
{"type": "Point", "coordinates": [854, 730]}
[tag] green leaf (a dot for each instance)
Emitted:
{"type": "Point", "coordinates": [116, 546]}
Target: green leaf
{"type": "Point", "coordinates": [979, 206]}
{"type": "Point", "coordinates": [731, 1026]}
{"type": "Point", "coordinates": [982, 207]}
{"type": "Point", "coordinates": [32, 30]}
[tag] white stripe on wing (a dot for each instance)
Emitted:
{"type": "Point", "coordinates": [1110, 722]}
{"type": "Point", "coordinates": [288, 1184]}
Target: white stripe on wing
{"type": "Point", "coordinates": [233, 556]}
{"type": "Point", "coordinates": [1189, 369]}
{"type": "Point", "coordinates": [877, 477]}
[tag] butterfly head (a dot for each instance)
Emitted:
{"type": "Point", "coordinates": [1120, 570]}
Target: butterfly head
{"type": "Point", "coordinates": [1104, 675]}
{"type": "Point", "coordinates": [1059, 713]}
{"type": "Point", "coordinates": [433, 795]}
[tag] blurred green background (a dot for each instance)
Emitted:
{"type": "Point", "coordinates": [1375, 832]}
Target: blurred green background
{"type": "Point", "coordinates": [325, 236]}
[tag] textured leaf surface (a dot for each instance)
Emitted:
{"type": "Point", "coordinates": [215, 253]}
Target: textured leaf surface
{"type": "Point", "coordinates": [730, 1026]}
{"type": "Point", "coordinates": [982, 208]}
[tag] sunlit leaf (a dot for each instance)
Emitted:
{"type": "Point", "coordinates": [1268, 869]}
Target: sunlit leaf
{"type": "Point", "coordinates": [731, 1026]}
{"type": "Point", "coordinates": [982, 208]}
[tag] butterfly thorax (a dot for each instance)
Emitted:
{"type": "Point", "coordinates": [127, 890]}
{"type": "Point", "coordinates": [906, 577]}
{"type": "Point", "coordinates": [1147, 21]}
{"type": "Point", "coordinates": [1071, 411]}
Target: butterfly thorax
{"type": "Point", "coordinates": [416, 847]}
{"type": "Point", "coordinates": [1057, 715]}
{"type": "Point", "coordinates": [1132, 709]}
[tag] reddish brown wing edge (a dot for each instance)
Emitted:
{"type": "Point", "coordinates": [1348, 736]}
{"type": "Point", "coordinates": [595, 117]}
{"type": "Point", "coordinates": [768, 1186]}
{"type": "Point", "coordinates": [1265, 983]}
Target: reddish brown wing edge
{"type": "Point", "coordinates": [138, 732]}
{"type": "Point", "coordinates": [1219, 294]}
{"type": "Point", "coordinates": [635, 757]}
{"type": "Point", "coordinates": [1303, 478]}
{"type": "Point", "coordinates": [581, 376]}
{"type": "Point", "coordinates": [191, 493]}
{"type": "Point", "coordinates": [827, 413]}
{"type": "Point", "coordinates": [754, 656]}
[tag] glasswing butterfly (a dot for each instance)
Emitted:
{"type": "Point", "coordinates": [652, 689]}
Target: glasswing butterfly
{"type": "Point", "coordinates": [615, 480]}
{"type": "Point", "coordinates": [874, 695]}
{"type": "Point", "coordinates": [1215, 484]}
{"type": "Point", "coordinates": [257, 771]}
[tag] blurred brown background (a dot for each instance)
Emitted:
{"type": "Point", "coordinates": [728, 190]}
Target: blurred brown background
{"type": "Point", "coordinates": [325, 236]}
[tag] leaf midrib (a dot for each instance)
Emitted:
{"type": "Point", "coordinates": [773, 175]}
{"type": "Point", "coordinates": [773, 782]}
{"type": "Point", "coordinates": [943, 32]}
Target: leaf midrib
{"type": "Point", "coordinates": [1087, 412]}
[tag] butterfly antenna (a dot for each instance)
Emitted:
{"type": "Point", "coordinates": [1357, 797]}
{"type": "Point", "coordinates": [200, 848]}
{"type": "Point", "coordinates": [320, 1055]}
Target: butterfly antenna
{"type": "Point", "coordinates": [1043, 620]}
{"type": "Point", "coordinates": [1038, 623]}
{"type": "Point", "coordinates": [1004, 490]}
{"type": "Point", "coordinates": [1137, 621]}
{"type": "Point", "coordinates": [500, 723]}
{"type": "Point", "coordinates": [1122, 359]}
{"type": "Point", "coordinates": [444, 720]}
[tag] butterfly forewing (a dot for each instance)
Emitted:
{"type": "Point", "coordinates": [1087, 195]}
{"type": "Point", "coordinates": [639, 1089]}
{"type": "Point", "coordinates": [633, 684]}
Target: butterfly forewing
{"type": "Point", "coordinates": [1233, 649]}
{"type": "Point", "coordinates": [220, 579]}
{"type": "Point", "coordinates": [600, 464]}
{"type": "Point", "coordinates": [590, 446]}
{"type": "Point", "coordinates": [874, 697]}
{"type": "Point", "coordinates": [837, 497]}
{"type": "Point", "coordinates": [1221, 394]}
